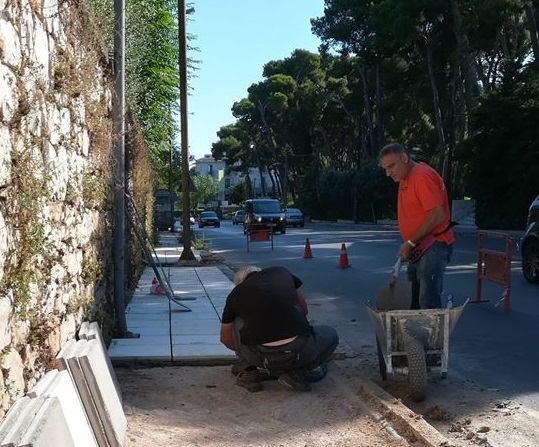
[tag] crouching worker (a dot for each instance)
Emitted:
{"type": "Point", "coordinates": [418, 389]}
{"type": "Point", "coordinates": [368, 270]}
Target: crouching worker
{"type": "Point", "coordinates": [264, 321]}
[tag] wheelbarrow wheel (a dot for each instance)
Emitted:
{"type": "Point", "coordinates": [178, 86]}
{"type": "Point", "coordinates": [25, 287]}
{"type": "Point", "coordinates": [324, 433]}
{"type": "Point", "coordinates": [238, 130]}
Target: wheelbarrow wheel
{"type": "Point", "coordinates": [381, 361]}
{"type": "Point", "coordinates": [417, 368]}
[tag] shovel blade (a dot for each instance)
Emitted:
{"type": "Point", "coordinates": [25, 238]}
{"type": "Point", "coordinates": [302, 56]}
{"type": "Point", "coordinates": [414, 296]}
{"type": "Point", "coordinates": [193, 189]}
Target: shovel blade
{"type": "Point", "coordinates": [397, 296]}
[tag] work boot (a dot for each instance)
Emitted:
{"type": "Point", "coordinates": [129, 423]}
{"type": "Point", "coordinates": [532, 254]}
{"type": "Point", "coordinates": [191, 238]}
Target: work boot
{"type": "Point", "coordinates": [250, 380]}
{"type": "Point", "coordinates": [295, 381]}
{"type": "Point", "coordinates": [316, 374]}
{"type": "Point", "coordinates": [263, 373]}
{"type": "Point", "coordinates": [238, 367]}
{"type": "Point", "coordinates": [434, 359]}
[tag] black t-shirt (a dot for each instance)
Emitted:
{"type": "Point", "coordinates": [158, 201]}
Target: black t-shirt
{"type": "Point", "coordinates": [268, 304]}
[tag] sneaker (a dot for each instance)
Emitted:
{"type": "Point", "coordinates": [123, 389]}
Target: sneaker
{"type": "Point", "coordinates": [316, 374]}
{"type": "Point", "coordinates": [294, 381]}
{"type": "Point", "coordinates": [250, 380]}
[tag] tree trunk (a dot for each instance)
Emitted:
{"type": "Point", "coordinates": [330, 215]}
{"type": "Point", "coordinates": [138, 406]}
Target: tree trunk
{"type": "Point", "coordinates": [466, 62]}
{"type": "Point", "coordinates": [368, 113]}
{"type": "Point", "coordinates": [437, 111]}
{"type": "Point", "coordinates": [262, 180]}
{"type": "Point", "coordinates": [531, 15]}
{"type": "Point", "coordinates": [379, 110]}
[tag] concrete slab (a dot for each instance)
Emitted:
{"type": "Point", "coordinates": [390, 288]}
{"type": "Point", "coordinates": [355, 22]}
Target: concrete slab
{"type": "Point", "coordinates": [83, 330]}
{"type": "Point", "coordinates": [94, 333]}
{"type": "Point", "coordinates": [92, 360]}
{"type": "Point", "coordinates": [49, 428]}
{"type": "Point", "coordinates": [67, 359]}
{"type": "Point", "coordinates": [166, 333]}
{"type": "Point", "coordinates": [43, 384]}
{"type": "Point", "coordinates": [18, 424]}
{"type": "Point", "coordinates": [12, 417]}
{"type": "Point", "coordinates": [65, 353]}
{"type": "Point", "coordinates": [145, 348]}
{"type": "Point", "coordinates": [59, 385]}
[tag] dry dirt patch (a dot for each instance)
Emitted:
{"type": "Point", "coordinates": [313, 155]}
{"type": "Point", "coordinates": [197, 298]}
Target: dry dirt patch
{"type": "Point", "coordinates": [201, 406]}
{"type": "Point", "coordinates": [469, 414]}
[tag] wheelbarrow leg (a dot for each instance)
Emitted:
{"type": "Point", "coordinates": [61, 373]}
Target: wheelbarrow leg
{"type": "Point", "coordinates": [445, 352]}
{"type": "Point", "coordinates": [381, 360]}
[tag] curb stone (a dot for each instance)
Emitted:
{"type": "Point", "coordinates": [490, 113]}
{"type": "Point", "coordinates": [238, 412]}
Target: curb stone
{"type": "Point", "coordinates": [396, 412]}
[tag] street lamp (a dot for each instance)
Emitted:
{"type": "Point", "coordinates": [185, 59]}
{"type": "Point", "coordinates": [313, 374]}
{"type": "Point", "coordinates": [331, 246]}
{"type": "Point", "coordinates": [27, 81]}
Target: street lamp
{"type": "Point", "coordinates": [187, 253]}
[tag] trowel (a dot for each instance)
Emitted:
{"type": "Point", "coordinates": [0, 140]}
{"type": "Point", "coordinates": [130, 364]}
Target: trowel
{"type": "Point", "coordinates": [396, 294]}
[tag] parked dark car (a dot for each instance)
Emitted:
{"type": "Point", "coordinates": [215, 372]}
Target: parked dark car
{"type": "Point", "coordinates": [208, 218]}
{"type": "Point", "coordinates": [264, 213]}
{"type": "Point", "coordinates": [294, 217]}
{"type": "Point", "coordinates": [238, 217]}
{"type": "Point", "coordinates": [530, 245]}
{"type": "Point", "coordinates": [163, 220]}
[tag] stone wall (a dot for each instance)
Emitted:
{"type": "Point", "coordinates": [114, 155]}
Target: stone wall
{"type": "Point", "coordinates": [56, 200]}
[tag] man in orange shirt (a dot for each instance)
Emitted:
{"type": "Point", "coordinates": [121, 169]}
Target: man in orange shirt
{"type": "Point", "coordinates": [424, 224]}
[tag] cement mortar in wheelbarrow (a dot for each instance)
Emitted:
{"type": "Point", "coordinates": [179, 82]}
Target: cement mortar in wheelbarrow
{"type": "Point", "coordinates": [410, 335]}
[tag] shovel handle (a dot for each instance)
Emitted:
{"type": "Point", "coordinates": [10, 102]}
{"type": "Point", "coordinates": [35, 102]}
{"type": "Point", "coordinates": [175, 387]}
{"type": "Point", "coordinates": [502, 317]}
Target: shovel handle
{"type": "Point", "coordinates": [395, 272]}
{"type": "Point", "coordinates": [396, 268]}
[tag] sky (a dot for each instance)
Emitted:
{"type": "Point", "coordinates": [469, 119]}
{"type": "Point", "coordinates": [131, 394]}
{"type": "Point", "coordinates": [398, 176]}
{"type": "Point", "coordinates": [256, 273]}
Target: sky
{"type": "Point", "coordinates": [236, 38]}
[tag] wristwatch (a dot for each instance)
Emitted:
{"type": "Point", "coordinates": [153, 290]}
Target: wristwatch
{"type": "Point", "coordinates": [411, 243]}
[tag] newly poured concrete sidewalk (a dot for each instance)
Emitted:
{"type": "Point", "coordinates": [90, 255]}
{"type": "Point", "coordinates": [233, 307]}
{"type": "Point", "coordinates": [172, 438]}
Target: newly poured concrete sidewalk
{"type": "Point", "coordinates": [187, 331]}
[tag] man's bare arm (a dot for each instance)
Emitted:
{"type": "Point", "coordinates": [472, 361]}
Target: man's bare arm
{"type": "Point", "coordinates": [226, 335]}
{"type": "Point", "coordinates": [301, 300]}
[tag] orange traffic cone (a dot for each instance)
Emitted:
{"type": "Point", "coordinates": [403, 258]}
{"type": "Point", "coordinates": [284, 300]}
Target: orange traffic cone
{"type": "Point", "coordinates": [156, 288]}
{"type": "Point", "coordinates": [343, 259]}
{"type": "Point", "coordinates": [307, 252]}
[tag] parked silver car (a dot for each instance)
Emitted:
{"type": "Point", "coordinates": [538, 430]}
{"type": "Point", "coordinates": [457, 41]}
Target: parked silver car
{"type": "Point", "coordinates": [294, 217]}
{"type": "Point", "coordinates": [178, 223]}
{"type": "Point", "coordinates": [238, 217]}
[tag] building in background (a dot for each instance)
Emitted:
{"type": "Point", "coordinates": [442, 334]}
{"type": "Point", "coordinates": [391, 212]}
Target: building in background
{"type": "Point", "coordinates": [208, 165]}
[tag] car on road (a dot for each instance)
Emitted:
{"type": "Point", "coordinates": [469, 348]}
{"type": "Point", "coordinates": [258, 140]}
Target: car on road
{"type": "Point", "coordinates": [178, 223]}
{"type": "Point", "coordinates": [530, 245]}
{"type": "Point", "coordinates": [238, 217]}
{"type": "Point", "coordinates": [208, 218]}
{"type": "Point", "coordinates": [264, 213]}
{"type": "Point", "coordinates": [294, 217]}
{"type": "Point", "coordinates": [162, 220]}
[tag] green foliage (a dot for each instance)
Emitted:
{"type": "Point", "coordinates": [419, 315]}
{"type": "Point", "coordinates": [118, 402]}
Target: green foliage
{"type": "Point", "coordinates": [363, 194]}
{"type": "Point", "coordinates": [238, 193]}
{"type": "Point", "coordinates": [206, 189]}
{"type": "Point", "coordinates": [503, 175]}
{"type": "Point", "coordinates": [152, 76]}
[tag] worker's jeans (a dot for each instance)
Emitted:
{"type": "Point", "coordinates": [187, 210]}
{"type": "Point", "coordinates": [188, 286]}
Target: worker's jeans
{"type": "Point", "coordinates": [304, 353]}
{"type": "Point", "coordinates": [427, 276]}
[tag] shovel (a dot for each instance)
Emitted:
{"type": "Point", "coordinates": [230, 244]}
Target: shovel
{"type": "Point", "coordinates": [396, 294]}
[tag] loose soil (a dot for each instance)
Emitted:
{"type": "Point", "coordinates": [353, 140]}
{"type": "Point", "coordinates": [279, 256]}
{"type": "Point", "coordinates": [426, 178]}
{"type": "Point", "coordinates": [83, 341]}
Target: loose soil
{"type": "Point", "coordinates": [467, 413]}
{"type": "Point", "coordinates": [201, 406]}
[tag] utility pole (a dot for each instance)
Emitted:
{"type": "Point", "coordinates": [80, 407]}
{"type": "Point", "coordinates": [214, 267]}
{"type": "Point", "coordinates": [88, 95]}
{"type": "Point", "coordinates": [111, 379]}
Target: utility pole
{"type": "Point", "coordinates": [119, 169]}
{"type": "Point", "coordinates": [171, 194]}
{"type": "Point", "coordinates": [187, 253]}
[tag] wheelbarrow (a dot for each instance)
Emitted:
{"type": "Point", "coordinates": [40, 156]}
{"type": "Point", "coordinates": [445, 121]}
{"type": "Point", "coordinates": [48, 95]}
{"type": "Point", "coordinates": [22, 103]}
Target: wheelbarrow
{"type": "Point", "coordinates": [411, 337]}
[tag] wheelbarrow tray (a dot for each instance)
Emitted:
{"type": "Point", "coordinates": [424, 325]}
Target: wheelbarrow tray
{"type": "Point", "coordinates": [435, 324]}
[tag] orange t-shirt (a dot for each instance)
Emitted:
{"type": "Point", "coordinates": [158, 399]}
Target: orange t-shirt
{"type": "Point", "coordinates": [423, 191]}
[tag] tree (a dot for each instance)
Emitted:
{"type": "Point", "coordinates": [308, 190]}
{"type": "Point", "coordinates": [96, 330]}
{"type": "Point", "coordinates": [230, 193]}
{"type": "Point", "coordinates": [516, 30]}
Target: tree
{"type": "Point", "coordinates": [237, 193]}
{"type": "Point", "coordinates": [206, 189]}
{"type": "Point", "coordinates": [152, 78]}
